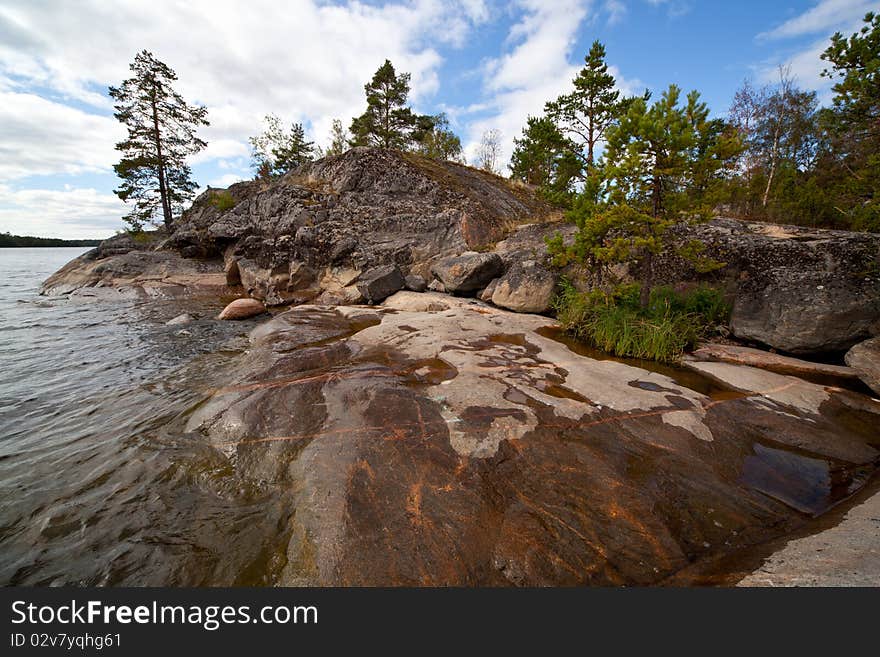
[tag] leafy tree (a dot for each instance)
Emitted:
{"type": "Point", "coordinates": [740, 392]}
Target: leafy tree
{"type": "Point", "coordinates": [543, 157]}
{"type": "Point", "coordinates": [338, 139]}
{"type": "Point", "coordinates": [655, 157]}
{"type": "Point", "coordinates": [161, 135]}
{"type": "Point", "coordinates": [587, 112]}
{"type": "Point", "coordinates": [489, 150]}
{"type": "Point", "coordinates": [275, 152]}
{"type": "Point", "coordinates": [388, 122]}
{"type": "Point", "coordinates": [853, 123]}
{"type": "Point", "coordinates": [439, 142]}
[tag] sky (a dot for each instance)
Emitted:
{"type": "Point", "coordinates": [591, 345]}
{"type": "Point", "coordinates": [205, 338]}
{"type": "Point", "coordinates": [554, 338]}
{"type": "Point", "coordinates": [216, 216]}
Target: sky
{"type": "Point", "coordinates": [487, 64]}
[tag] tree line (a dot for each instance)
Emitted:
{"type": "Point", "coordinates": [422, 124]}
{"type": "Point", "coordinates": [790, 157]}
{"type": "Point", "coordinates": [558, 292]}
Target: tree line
{"type": "Point", "coordinates": [8, 240]}
{"type": "Point", "coordinates": [610, 161]}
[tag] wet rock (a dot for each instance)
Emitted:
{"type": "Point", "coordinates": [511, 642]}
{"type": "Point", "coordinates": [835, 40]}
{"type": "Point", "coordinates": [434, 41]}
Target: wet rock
{"type": "Point", "coordinates": [526, 287]}
{"type": "Point", "coordinates": [242, 309]}
{"type": "Point", "coordinates": [416, 283]}
{"type": "Point", "coordinates": [465, 446]}
{"type": "Point", "coordinates": [184, 318]}
{"type": "Point", "coordinates": [380, 282]}
{"type": "Point", "coordinates": [864, 358]}
{"type": "Point", "coordinates": [467, 272]}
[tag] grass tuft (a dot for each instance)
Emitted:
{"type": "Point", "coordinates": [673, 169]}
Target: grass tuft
{"type": "Point", "coordinates": [614, 322]}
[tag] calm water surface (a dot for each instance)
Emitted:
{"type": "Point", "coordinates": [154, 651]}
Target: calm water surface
{"type": "Point", "coordinates": [98, 481]}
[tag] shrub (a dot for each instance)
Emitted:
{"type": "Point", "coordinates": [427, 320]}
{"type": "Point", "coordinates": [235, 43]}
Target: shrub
{"type": "Point", "coordinates": [614, 322]}
{"type": "Point", "coordinates": [222, 200]}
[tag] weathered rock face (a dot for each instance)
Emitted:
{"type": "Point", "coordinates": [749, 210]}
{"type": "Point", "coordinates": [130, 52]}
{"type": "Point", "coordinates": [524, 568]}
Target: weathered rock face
{"type": "Point", "coordinates": [363, 209]}
{"type": "Point", "coordinates": [864, 358]}
{"type": "Point", "coordinates": [467, 272]}
{"type": "Point", "coordinates": [121, 262]}
{"type": "Point", "coordinates": [441, 441]}
{"type": "Point", "coordinates": [526, 287]}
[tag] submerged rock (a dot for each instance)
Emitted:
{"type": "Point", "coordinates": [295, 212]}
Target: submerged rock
{"type": "Point", "coordinates": [242, 309]}
{"type": "Point", "coordinates": [864, 358]}
{"type": "Point", "coordinates": [467, 446]}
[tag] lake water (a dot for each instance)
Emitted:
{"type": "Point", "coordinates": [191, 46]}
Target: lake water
{"type": "Point", "coordinates": [99, 484]}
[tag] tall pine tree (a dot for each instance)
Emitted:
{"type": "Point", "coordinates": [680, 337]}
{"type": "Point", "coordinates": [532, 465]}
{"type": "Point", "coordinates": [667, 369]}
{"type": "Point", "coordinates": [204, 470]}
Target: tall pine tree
{"type": "Point", "coordinates": [388, 122]}
{"type": "Point", "coordinates": [585, 114]}
{"type": "Point", "coordinates": [161, 135]}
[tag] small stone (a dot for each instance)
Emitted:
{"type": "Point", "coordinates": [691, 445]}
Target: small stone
{"type": "Point", "coordinates": [242, 309]}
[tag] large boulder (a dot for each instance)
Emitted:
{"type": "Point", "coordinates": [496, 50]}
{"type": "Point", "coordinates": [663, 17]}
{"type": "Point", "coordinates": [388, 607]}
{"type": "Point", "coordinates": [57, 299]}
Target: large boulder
{"type": "Point", "coordinates": [526, 287]}
{"type": "Point", "coordinates": [804, 312]}
{"type": "Point", "coordinates": [468, 272]}
{"type": "Point", "coordinates": [380, 282]}
{"type": "Point", "coordinates": [864, 358]}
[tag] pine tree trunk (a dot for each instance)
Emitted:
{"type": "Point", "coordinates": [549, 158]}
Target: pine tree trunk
{"type": "Point", "coordinates": [163, 185]}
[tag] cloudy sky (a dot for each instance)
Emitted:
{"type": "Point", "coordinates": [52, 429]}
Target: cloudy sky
{"type": "Point", "coordinates": [486, 64]}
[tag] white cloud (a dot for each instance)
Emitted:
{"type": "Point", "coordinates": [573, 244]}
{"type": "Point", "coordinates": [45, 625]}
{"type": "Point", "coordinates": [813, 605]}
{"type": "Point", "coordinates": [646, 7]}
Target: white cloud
{"type": "Point", "coordinates": [303, 59]}
{"type": "Point", "coordinates": [41, 137]}
{"type": "Point", "coordinates": [538, 68]}
{"type": "Point", "coordinates": [824, 17]}
{"type": "Point", "coordinates": [70, 213]}
{"type": "Point", "coordinates": [806, 64]}
{"type": "Point", "coordinates": [226, 180]}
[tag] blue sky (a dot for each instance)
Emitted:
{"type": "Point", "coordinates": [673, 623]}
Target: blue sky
{"type": "Point", "coordinates": [487, 64]}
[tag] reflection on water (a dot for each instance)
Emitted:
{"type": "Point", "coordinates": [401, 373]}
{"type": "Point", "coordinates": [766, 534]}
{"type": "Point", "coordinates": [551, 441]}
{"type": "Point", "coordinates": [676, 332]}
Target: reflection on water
{"type": "Point", "coordinates": [99, 482]}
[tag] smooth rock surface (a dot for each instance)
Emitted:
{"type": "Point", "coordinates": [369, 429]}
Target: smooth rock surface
{"type": "Point", "coordinates": [845, 555]}
{"type": "Point", "coordinates": [864, 358]}
{"type": "Point", "coordinates": [242, 309]}
{"type": "Point", "coordinates": [769, 361]}
{"type": "Point", "coordinates": [460, 444]}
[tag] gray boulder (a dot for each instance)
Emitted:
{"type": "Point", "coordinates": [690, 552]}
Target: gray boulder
{"type": "Point", "coordinates": [380, 282]}
{"type": "Point", "coordinates": [806, 311]}
{"type": "Point", "coordinates": [527, 287]}
{"type": "Point", "coordinates": [468, 272]}
{"type": "Point", "coordinates": [416, 283]}
{"type": "Point", "coordinates": [864, 358]}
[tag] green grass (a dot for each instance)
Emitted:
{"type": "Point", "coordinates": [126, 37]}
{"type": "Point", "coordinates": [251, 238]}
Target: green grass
{"type": "Point", "coordinates": [614, 322]}
{"type": "Point", "coordinates": [222, 200]}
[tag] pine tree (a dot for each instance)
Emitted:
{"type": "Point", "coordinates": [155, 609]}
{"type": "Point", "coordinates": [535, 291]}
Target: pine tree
{"type": "Point", "coordinates": [543, 157]}
{"type": "Point", "coordinates": [655, 157]}
{"type": "Point", "coordinates": [853, 124]}
{"type": "Point", "coordinates": [387, 122]}
{"type": "Point", "coordinates": [161, 134]}
{"type": "Point", "coordinates": [586, 113]}
{"type": "Point", "coordinates": [338, 139]}
{"type": "Point", "coordinates": [439, 142]}
{"type": "Point", "coordinates": [275, 152]}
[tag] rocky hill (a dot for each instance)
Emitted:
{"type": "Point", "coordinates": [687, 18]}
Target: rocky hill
{"type": "Point", "coordinates": [437, 437]}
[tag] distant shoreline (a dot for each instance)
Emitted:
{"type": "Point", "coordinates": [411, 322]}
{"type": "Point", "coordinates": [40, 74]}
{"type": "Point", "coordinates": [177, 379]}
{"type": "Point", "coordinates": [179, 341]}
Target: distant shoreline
{"type": "Point", "coordinates": [19, 241]}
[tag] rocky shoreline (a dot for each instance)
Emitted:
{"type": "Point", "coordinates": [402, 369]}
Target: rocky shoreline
{"type": "Point", "coordinates": [434, 427]}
